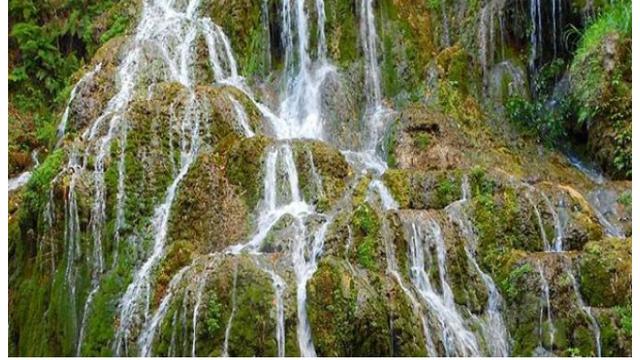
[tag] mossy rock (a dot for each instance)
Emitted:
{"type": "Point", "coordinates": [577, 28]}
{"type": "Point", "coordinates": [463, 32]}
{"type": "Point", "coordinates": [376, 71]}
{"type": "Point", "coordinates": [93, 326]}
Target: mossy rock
{"type": "Point", "coordinates": [347, 316]}
{"type": "Point", "coordinates": [423, 190]}
{"type": "Point", "coordinates": [93, 94]}
{"type": "Point", "coordinates": [407, 47]}
{"type": "Point", "coordinates": [208, 211]}
{"type": "Point", "coordinates": [605, 272]}
{"type": "Point", "coordinates": [615, 329]}
{"type": "Point", "coordinates": [253, 326]}
{"type": "Point", "coordinates": [243, 22]}
{"type": "Point", "coordinates": [466, 282]}
{"type": "Point", "coordinates": [427, 140]}
{"type": "Point", "coordinates": [579, 224]}
{"type": "Point", "coordinates": [323, 173]}
{"type": "Point", "coordinates": [245, 168]}
{"type": "Point", "coordinates": [601, 85]}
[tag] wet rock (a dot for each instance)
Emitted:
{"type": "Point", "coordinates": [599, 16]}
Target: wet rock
{"type": "Point", "coordinates": [424, 189]}
{"type": "Point", "coordinates": [323, 173]}
{"type": "Point", "coordinates": [425, 141]}
{"type": "Point", "coordinates": [208, 211]}
{"type": "Point", "coordinates": [605, 272]}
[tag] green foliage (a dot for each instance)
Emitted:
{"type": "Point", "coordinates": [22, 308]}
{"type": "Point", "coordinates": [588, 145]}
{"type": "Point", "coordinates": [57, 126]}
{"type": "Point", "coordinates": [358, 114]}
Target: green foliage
{"type": "Point", "coordinates": [511, 286]}
{"type": "Point", "coordinates": [447, 191]}
{"type": "Point", "coordinates": [626, 320]}
{"type": "Point", "coordinates": [366, 226]}
{"type": "Point", "coordinates": [537, 118]}
{"type": "Point", "coordinates": [36, 191]}
{"type": "Point", "coordinates": [49, 41]}
{"type": "Point", "coordinates": [601, 87]}
{"type": "Point", "coordinates": [434, 4]}
{"type": "Point", "coordinates": [615, 18]}
{"type": "Point", "coordinates": [622, 151]}
{"type": "Point", "coordinates": [625, 199]}
{"type": "Point", "coordinates": [390, 143]}
{"type": "Point", "coordinates": [479, 183]}
{"type": "Point", "coordinates": [213, 321]}
{"type": "Point", "coordinates": [573, 352]}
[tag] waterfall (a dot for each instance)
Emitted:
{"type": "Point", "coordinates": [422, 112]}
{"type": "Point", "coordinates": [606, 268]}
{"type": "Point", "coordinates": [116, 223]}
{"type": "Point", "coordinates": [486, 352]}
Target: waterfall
{"type": "Point", "coordinates": [375, 113]}
{"type": "Point", "coordinates": [62, 127]}
{"type": "Point", "coordinates": [387, 201]}
{"type": "Point", "coordinates": [559, 232]}
{"type": "Point", "coordinates": [72, 229]}
{"type": "Point", "coordinates": [544, 288]}
{"type": "Point", "coordinates": [425, 234]}
{"type": "Point", "coordinates": [141, 285]}
{"type": "Point", "coordinates": [18, 181]}
{"type": "Point", "coordinates": [241, 116]}
{"type": "Point", "coordinates": [300, 107]}
{"type": "Point", "coordinates": [416, 307]}
{"type": "Point", "coordinates": [492, 326]}
{"type": "Point", "coordinates": [445, 24]}
{"type": "Point", "coordinates": [278, 288]}
{"type": "Point", "coordinates": [147, 336]}
{"type": "Point", "coordinates": [22, 179]}
{"type": "Point", "coordinates": [202, 281]}
{"type": "Point", "coordinates": [536, 33]}
{"type": "Point", "coordinates": [595, 327]}
{"type": "Point", "coordinates": [227, 331]}
{"type": "Point", "coordinates": [536, 210]}
{"type": "Point", "coordinates": [121, 195]}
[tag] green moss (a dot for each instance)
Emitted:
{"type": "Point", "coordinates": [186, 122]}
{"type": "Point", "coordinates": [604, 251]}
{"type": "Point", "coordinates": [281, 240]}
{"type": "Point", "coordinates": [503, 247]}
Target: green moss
{"type": "Point", "coordinates": [242, 21]}
{"type": "Point", "coordinates": [422, 141]}
{"type": "Point", "coordinates": [398, 183]}
{"type": "Point", "coordinates": [510, 286]}
{"type": "Point", "coordinates": [244, 164]}
{"type": "Point", "coordinates": [626, 320]}
{"type": "Point", "coordinates": [366, 226]}
{"type": "Point", "coordinates": [331, 307]}
{"type": "Point", "coordinates": [254, 324]}
{"type": "Point", "coordinates": [341, 28]}
{"type": "Point", "coordinates": [448, 190]}
{"type": "Point", "coordinates": [36, 191]}
{"type": "Point", "coordinates": [605, 272]}
{"type": "Point", "coordinates": [322, 173]}
{"type": "Point", "coordinates": [101, 317]}
{"type": "Point", "coordinates": [207, 212]}
{"type": "Point", "coordinates": [178, 255]}
{"type": "Point", "coordinates": [601, 86]}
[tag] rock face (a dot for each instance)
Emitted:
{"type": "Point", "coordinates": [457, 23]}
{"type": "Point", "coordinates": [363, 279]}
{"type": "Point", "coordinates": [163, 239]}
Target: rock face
{"type": "Point", "coordinates": [330, 178]}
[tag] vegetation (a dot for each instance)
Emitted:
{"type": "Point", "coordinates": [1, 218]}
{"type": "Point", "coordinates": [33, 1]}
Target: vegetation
{"type": "Point", "coordinates": [49, 41]}
{"type": "Point", "coordinates": [446, 129]}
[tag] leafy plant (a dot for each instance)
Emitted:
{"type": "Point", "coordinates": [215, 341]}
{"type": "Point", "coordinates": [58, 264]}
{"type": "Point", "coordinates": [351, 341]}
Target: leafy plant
{"type": "Point", "coordinates": [213, 321]}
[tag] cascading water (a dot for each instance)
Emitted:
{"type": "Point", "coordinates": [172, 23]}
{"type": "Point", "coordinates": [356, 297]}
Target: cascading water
{"type": "Point", "coordinates": [241, 116]}
{"type": "Point", "coordinates": [545, 306]}
{"type": "Point", "coordinates": [300, 107]}
{"type": "Point", "coordinates": [62, 127]}
{"type": "Point", "coordinates": [595, 327]}
{"type": "Point", "coordinates": [145, 341]}
{"type": "Point", "coordinates": [416, 306]}
{"type": "Point", "coordinates": [559, 232]}
{"type": "Point", "coordinates": [425, 234]}
{"type": "Point", "coordinates": [492, 325]}
{"type": "Point", "coordinates": [227, 331]}
{"type": "Point", "coordinates": [22, 179]}
{"type": "Point", "coordinates": [536, 210]}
